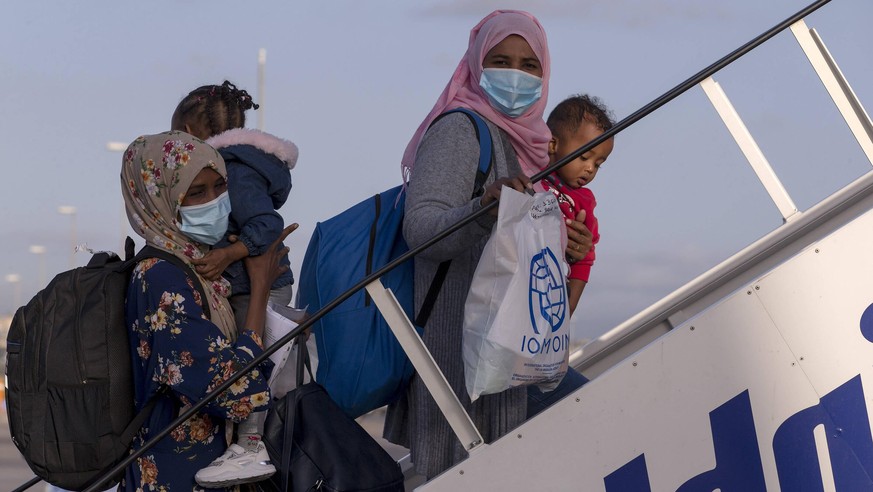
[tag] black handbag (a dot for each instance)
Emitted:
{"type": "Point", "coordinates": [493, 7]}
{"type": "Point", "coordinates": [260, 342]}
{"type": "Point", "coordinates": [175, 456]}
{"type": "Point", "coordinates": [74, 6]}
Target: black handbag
{"type": "Point", "coordinates": [316, 446]}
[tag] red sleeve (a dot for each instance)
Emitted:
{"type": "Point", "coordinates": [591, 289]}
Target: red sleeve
{"type": "Point", "coordinates": [585, 200]}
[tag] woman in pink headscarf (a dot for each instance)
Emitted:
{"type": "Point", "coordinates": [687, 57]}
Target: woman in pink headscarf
{"type": "Point", "coordinates": [504, 77]}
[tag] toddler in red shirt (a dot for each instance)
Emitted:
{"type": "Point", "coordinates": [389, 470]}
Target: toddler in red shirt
{"type": "Point", "coordinates": [574, 122]}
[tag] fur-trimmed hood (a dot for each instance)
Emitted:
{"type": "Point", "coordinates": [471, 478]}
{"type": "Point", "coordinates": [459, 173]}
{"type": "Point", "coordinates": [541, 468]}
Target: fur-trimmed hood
{"type": "Point", "coordinates": [284, 150]}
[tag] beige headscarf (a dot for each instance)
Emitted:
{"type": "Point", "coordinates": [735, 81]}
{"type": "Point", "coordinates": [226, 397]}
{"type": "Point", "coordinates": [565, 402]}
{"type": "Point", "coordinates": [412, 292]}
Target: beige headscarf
{"type": "Point", "coordinates": [156, 171]}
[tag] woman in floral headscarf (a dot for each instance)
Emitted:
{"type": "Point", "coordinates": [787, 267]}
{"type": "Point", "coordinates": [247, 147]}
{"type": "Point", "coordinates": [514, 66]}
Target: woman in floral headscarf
{"type": "Point", "coordinates": [504, 77]}
{"type": "Point", "coordinates": [168, 181]}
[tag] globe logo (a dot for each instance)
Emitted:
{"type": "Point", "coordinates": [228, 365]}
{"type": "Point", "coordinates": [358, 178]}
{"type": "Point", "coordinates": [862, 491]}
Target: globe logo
{"type": "Point", "coordinates": [548, 294]}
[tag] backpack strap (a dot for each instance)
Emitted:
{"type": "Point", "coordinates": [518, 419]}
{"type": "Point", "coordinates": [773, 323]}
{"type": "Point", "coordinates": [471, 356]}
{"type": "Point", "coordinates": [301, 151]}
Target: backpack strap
{"type": "Point", "coordinates": [486, 163]}
{"type": "Point", "coordinates": [140, 418]}
{"type": "Point", "coordinates": [430, 298]}
{"type": "Point", "coordinates": [152, 252]}
{"type": "Point", "coordinates": [371, 245]}
{"type": "Point", "coordinates": [486, 147]}
{"type": "Point", "coordinates": [132, 428]}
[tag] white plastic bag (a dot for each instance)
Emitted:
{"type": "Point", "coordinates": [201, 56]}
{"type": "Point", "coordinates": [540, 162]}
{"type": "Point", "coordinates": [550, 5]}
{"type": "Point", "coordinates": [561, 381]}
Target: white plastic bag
{"type": "Point", "coordinates": [516, 317]}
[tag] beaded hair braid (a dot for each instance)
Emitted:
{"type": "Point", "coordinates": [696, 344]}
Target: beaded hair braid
{"type": "Point", "coordinates": [213, 109]}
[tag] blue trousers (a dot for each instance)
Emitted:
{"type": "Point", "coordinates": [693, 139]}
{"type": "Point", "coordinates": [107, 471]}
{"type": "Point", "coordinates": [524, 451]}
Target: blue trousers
{"type": "Point", "coordinates": [537, 400]}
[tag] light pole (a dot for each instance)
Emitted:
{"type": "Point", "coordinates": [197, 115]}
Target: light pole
{"type": "Point", "coordinates": [262, 61]}
{"type": "Point", "coordinates": [122, 220]}
{"type": "Point", "coordinates": [116, 146]}
{"type": "Point", "coordinates": [71, 211]}
{"type": "Point", "coordinates": [39, 251]}
{"type": "Point", "coordinates": [15, 280]}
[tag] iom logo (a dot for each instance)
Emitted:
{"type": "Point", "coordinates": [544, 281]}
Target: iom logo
{"type": "Point", "coordinates": [548, 294]}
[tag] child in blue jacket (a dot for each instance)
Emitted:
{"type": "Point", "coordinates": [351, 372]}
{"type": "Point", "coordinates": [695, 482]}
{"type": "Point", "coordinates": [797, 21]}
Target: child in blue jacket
{"type": "Point", "coordinates": [259, 180]}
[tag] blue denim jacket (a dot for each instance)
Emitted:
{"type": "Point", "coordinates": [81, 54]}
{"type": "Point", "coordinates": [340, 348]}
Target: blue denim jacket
{"type": "Point", "coordinates": [259, 180]}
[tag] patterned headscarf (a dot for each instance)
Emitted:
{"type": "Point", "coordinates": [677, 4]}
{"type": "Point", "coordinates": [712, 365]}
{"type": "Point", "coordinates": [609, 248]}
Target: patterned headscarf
{"type": "Point", "coordinates": [156, 171]}
{"type": "Point", "coordinates": [529, 134]}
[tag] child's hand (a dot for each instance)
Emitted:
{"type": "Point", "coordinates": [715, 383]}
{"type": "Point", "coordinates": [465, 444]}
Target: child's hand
{"type": "Point", "coordinates": [579, 239]}
{"type": "Point", "coordinates": [520, 183]}
{"type": "Point", "coordinates": [214, 263]}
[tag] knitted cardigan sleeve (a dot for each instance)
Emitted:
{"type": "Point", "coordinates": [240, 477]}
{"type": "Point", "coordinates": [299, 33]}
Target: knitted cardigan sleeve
{"type": "Point", "coordinates": [440, 189]}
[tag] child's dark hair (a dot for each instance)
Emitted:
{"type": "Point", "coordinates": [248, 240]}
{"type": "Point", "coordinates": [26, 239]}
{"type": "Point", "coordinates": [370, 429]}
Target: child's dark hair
{"type": "Point", "coordinates": [565, 119]}
{"type": "Point", "coordinates": [213, 109]}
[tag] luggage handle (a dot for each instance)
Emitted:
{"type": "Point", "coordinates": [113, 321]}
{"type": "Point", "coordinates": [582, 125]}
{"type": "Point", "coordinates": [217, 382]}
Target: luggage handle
{"type": "Point", "coordinates": [287, 442]}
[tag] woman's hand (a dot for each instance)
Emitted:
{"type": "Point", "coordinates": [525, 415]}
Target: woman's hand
{"type": "Point", "coordinates": [520, 183]}
{"type": "Point", "coordinates": [264, 269]}
{"type": "Point", "coordinates": [579, 240]}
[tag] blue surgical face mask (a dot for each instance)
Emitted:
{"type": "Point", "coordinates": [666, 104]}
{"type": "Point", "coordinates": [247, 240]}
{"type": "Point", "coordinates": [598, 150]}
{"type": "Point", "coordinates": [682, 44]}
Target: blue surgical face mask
{"type": "Point", "coordinates": [511, 91]}
{"type": "Point", "coordinates": [206, 223]}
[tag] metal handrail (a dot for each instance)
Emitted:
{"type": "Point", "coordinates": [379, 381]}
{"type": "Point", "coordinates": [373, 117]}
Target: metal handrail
{"type": "Point", "coordinates": [617, 128]}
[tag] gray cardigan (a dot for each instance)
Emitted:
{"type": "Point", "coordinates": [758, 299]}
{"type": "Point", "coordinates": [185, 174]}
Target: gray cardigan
{"type": "Point", "coordinates": [439, 194]}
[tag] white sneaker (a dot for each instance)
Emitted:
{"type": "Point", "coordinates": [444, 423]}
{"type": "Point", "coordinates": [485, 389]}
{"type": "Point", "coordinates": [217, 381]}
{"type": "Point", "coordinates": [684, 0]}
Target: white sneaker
{"type": "Point", "coordinates": [237, 465]}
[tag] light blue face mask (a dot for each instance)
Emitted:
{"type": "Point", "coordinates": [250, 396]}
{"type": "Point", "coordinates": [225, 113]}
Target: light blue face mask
{"type": "Point", "coordinates": [206, 223]}
{"type": "Point", "coordinates": [511, 91]}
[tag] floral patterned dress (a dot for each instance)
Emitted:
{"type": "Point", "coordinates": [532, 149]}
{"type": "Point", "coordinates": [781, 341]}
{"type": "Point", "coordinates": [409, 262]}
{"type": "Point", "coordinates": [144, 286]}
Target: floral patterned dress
{"type": "Point", "coordinates": [173, 344]}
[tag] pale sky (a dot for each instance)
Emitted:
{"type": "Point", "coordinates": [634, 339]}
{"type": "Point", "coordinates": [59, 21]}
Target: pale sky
{"type": "Point", "coordinates": [350, 81]}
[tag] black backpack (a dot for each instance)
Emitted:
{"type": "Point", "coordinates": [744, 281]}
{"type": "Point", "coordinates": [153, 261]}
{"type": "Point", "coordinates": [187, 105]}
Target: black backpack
{"type": "Point", "coordinates": [70, 397]}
